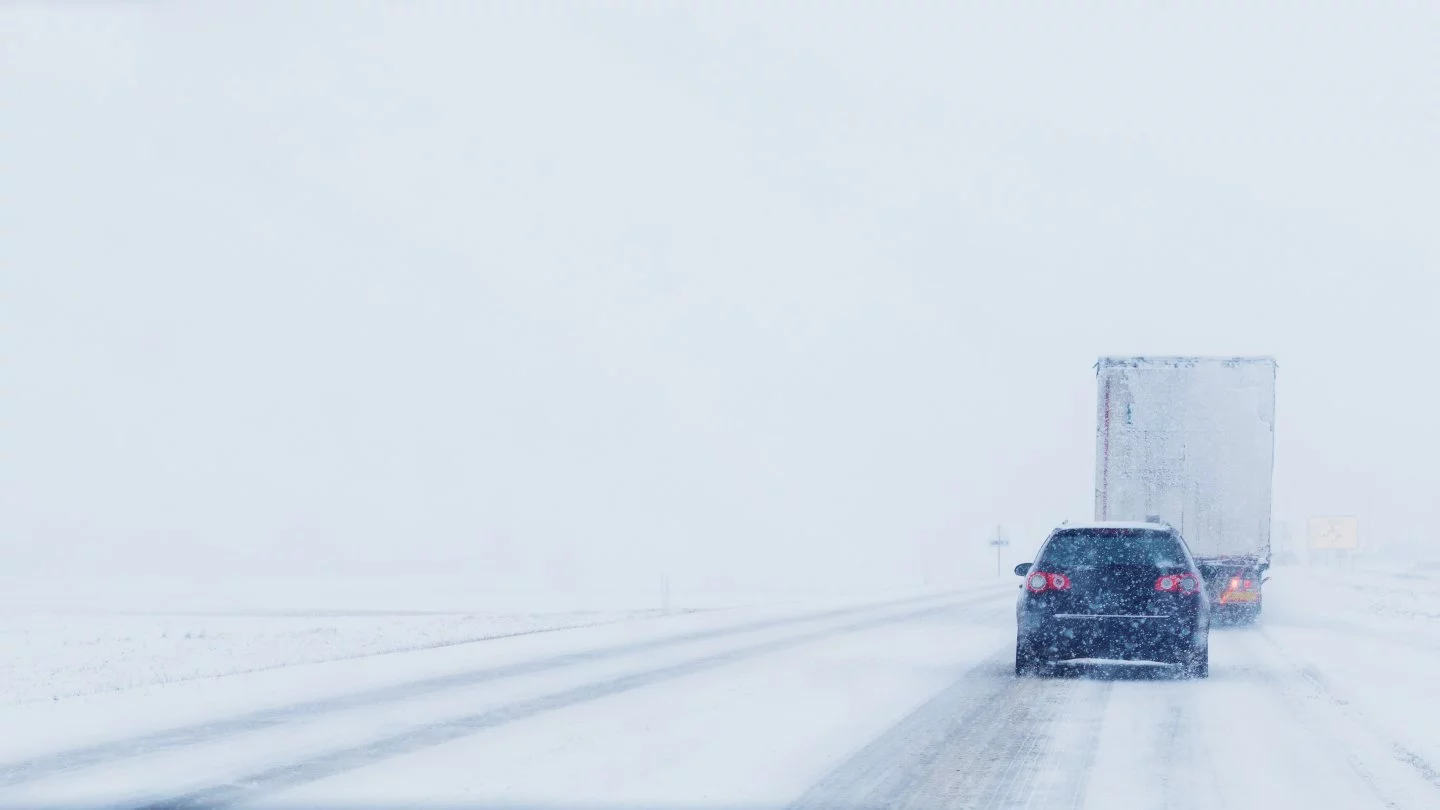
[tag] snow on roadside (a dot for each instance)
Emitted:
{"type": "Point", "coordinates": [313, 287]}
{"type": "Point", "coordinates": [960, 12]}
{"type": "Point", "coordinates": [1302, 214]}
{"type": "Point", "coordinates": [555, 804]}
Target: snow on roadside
{"type": "Point", "coordinates": [49, 655]}
{"type": "Point", "coordinates": [1400, 606]}
{"type": "Point", "coordinates": [1363, 645]}
{"type": "Point", "coordinates": [65, 636]}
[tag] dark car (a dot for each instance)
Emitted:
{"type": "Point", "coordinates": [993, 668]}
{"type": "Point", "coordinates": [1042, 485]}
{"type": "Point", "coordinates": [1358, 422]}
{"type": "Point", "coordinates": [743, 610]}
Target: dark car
{"type": "Point", "coordinates": [1112, 592]}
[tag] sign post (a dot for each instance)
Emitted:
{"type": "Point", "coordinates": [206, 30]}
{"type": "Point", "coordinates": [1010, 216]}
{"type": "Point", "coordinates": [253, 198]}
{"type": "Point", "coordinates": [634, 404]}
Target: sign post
{"type": "Point", "coordinates": [1000, 541]}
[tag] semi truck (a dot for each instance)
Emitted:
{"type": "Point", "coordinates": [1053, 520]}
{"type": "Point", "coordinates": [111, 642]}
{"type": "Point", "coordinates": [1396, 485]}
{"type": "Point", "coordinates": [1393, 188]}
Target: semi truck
{"type": "Point", "coordinates": [1190, 442]}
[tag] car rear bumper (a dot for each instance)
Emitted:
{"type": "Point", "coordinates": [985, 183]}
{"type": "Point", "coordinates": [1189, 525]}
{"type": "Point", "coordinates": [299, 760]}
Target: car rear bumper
{"type": "Point", "coordinates": [1064, 636]}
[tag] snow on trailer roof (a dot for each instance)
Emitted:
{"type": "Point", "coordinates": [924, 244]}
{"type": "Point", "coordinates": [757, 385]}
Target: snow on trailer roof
{"type": "Point", "coordinates": [1177, 361]}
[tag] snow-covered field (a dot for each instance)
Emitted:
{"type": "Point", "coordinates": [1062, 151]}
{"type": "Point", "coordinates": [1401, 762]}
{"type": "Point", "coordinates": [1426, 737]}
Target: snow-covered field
{"type": "Point", "coordinates": [69, 636]}
{"type": "Point", "coordinates": [56, 655]}
{"type": "Point", "coordinates": [901, 703]}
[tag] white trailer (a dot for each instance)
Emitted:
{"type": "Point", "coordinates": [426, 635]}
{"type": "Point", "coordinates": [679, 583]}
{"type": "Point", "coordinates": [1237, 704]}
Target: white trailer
{"type": "Point", "coordinates": [1190, 441]}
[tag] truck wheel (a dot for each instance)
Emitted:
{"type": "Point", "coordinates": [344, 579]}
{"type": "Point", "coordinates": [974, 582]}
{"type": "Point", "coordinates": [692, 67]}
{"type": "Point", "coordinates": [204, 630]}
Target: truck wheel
{"type": "Point", "coordinates": [1237, 615]}
{"type": "Point", "coordinates": [1199, 664]}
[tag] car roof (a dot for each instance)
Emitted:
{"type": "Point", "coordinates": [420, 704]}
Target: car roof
{"type": "Point", "coordinates": [1115, 524]}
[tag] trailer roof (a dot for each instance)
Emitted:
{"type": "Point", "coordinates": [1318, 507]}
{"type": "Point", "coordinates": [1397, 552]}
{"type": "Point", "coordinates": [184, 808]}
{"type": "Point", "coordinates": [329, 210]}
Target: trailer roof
{"type": "Point", "coordinates": [1176, 361]}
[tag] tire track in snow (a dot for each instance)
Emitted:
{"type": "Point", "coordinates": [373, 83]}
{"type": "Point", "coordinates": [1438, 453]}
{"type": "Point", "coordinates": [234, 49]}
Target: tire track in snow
{"type": "Point", "coordinates": [1062, 735]}
{"type": "Point", "coordinates": [987, 741]}
{"type": "Point", "coordinates": [1180, 755]}
{"type": "Point", "coordinates": [896, 763]}
{"type": "Point", "coordinates": [61, 762]}
{"type": "Point", "coordinates": [1175, 747]}
{"type": "Point", "coordinates": [1189, 777]}
{"type": "Point", "coordinates": [257, 785]}
{"type": "Point", "coordinates": [1017, 743]}
{"type": "Point", "coordinates": [1072, 794]}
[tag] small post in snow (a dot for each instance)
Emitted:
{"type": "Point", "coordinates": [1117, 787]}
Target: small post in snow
{"type": "Point", "coordinates": [1000, 541]}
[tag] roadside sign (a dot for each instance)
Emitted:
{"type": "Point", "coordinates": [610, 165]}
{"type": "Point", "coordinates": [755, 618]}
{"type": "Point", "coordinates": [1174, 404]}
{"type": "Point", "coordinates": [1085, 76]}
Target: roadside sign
{"type": "Point", "coordinates": [999, 541]}
{"type": "Point", "coordinates": [1337, 532]}
{"type": "Point", "coordinates": [1000, 538]}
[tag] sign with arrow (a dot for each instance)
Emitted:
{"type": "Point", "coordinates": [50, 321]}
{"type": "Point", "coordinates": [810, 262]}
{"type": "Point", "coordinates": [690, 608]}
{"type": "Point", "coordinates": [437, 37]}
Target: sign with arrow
{"type": "Point", "coordinates": [1334, 532]}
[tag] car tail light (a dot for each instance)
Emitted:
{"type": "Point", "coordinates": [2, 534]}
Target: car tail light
{"type": "Point", "coordinates": [1041, 581]}
{"type": "Point", "coordinates": [1178, 583]}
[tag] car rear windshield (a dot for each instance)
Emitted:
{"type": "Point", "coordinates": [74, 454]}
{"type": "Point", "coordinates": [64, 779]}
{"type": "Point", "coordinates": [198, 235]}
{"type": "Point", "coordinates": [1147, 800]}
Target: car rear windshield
{"type": "Point", "coordinates": [1096, 548]}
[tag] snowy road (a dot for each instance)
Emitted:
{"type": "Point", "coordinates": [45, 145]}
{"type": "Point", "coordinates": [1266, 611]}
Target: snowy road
{"type": "Point", "coordinates": [908, 703]}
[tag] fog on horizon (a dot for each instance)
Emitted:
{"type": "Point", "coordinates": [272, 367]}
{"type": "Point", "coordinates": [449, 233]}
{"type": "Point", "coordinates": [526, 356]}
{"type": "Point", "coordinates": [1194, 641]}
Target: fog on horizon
{"type": "Point", "coordinates": [729, 292]}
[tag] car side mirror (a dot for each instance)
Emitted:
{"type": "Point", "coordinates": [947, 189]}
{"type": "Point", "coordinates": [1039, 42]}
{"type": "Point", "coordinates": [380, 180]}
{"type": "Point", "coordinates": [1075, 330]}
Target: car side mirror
{"type": "Point", "coordinates": [1022, 569]}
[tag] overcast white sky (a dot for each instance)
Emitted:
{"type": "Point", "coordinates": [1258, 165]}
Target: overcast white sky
{"type": "Point", "coordinates": [599, 289]}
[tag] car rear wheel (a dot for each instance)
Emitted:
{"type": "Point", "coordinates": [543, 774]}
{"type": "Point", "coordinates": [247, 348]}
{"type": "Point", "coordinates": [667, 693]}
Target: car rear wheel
{"type": "Point", "coordinates": [1198, 666]}
{"type": "Point", "coordinates": [1027, 664]}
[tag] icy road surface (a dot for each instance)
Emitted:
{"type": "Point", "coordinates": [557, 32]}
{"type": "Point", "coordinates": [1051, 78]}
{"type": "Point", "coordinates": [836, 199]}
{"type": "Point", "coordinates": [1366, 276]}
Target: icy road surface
{"type": "Point", "coordinates": [1328, 703]}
